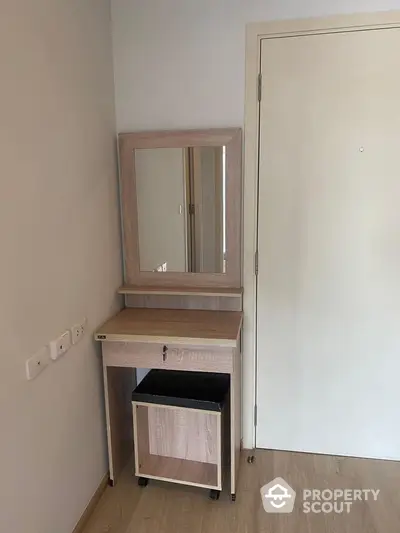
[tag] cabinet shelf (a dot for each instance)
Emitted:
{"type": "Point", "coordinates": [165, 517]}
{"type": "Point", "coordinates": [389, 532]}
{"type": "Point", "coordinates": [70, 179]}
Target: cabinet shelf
{"type": "Point", "coordinates": [180, 291]}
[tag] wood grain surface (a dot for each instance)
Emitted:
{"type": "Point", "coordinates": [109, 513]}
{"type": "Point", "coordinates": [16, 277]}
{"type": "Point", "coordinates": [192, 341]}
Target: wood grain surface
{"type": "Point", "coordinates": [184, 434]}
{"type": "Point", "coordinates": [219, 328]}
{"type": "Point", "coordinates": [180, 471]}
{"type": "Point", "coordinates": [176, 509]}
{"type": "Point", "coordinates": [192, 301]}
{"type": "Point", "coordinates": [118, 386]}
{"type": "Point", "coordinates": [181, 291]}
{"type": "Point", "coordinates": [178, 357]}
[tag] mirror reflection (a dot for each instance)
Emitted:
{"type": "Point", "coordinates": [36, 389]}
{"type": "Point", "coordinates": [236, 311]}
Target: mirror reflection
{"type": "Point", "coordinates": [181, 203]}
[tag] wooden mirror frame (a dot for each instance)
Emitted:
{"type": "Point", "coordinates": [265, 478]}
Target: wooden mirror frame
{"type": "Point", "coordinates": [231, 138]}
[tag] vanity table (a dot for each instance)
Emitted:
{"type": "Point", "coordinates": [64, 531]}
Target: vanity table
{"type": "Point", "coordinates": [183, 303]}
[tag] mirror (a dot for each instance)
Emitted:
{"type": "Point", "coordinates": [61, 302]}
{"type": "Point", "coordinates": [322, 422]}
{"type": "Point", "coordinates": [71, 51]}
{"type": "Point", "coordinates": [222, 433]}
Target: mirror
{"type": "Point", "coordinates": [181, 206]}
{"type": "Point", "coordinates": [181, 198]}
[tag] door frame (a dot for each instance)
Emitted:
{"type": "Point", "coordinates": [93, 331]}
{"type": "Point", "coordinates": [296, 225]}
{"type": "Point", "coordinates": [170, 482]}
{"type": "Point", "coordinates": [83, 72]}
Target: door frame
{"type": "Point", "coordinates": [255, 33]}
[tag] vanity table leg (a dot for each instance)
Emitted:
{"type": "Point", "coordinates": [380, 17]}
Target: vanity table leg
{"type": "Point", "coordinates": [118, 387]}
{"type": "Point", "coordinates": [236, 423]}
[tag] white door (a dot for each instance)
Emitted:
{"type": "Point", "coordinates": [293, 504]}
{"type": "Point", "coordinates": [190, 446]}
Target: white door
{"type": "Point", "coordinates": [329, 245]}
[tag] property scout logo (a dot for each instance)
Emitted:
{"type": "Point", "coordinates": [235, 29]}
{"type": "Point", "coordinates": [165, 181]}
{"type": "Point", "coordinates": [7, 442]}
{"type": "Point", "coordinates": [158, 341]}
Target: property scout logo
{"type": "Point", "coordinates": [279, 497]}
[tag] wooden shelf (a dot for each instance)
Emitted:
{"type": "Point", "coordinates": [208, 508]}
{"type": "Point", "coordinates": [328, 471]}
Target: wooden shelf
{"type": "Point", "coordinates": [218, 328]}
{"type": "Point", "coordinates": [180, 291]}
{"type": "Point", "coordinates": [180, 471]}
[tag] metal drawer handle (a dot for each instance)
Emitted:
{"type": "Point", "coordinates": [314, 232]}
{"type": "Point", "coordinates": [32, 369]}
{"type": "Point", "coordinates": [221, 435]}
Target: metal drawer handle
{"type": "Point", "coordinates": [164, 354]}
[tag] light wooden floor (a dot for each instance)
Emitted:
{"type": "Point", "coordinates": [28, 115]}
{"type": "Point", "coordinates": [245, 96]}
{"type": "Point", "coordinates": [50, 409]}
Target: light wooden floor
{"type": "Point", "coordinates": [167, 508]}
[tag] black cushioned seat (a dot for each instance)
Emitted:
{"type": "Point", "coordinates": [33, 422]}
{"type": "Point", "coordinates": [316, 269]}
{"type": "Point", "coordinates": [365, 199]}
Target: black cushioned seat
{"type": "Point", "coordinates": [196, 390]}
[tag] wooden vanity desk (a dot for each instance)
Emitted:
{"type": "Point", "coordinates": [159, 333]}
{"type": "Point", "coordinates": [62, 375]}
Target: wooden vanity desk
{"type": "Point", "coordinates": [170, 339]}
{"type": "Point", "coordinates": [181, 197]}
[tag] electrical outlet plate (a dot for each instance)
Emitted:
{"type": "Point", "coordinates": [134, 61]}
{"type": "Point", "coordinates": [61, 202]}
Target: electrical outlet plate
{"type": "Point", "coordinates": [78, 331]}
{"type": "Point", "coordinates": [60, 346]}
{"type": "Point", "coordinates": [37, 363]}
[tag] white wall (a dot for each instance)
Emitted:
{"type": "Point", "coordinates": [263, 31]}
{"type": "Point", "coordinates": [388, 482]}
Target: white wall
{"type": "Point", "coordinates": [60, 254]}
{"type": "Point", "coordinates": [181, 64]}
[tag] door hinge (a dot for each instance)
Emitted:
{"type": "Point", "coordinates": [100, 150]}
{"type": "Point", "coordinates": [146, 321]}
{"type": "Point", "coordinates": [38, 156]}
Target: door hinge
{"type": "Point", "coordinates": [191, 209]}
{"type": "Point", "coordinates": [259, 87]}
{"type": "Point", "coordinates": [255, 415]}
{"type": "Point", "coordinates": [256, 263]}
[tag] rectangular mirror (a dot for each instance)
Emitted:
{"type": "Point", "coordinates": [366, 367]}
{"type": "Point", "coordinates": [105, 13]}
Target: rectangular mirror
{"type": "Point", "coordinates": [181, 204]}
{"type": "Point", "coordinates": [181, 200]}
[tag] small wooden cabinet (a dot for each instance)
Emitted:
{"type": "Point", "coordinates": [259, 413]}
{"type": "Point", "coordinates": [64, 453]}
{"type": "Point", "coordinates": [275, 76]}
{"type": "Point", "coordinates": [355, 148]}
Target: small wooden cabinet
{"type": "Point", "coordinates": [157, 432]}
{"type": "Point", "coordinates": [178, 421]}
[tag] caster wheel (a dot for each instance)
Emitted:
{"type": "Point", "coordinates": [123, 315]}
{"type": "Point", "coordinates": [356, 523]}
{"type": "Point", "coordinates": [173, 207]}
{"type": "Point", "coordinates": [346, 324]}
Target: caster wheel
{"type": "Point", "coordinates": [233, 497]}
{"type": "Point", "coordinates": [110, 482]}
{"type": "Point", "coordinates": [214, 494]}
{"type": "Point", "coordinates": [142, 482]}
{"type": "Point", "coordinates": [251, 459]}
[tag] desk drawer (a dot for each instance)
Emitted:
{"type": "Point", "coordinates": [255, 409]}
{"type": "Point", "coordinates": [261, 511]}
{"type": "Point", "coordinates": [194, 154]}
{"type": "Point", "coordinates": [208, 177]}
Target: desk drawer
{"type": "Point", "coordinates": [168, 356]}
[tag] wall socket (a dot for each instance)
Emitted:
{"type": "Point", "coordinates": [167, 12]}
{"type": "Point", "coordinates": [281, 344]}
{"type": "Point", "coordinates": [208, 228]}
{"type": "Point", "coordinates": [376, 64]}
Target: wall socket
{"type": "Point", "coordinates": [60, 346]}
{"type": "Point", "coordinates": [37, 363]}
{"type": "Point", "coordinates": [78, 331]}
